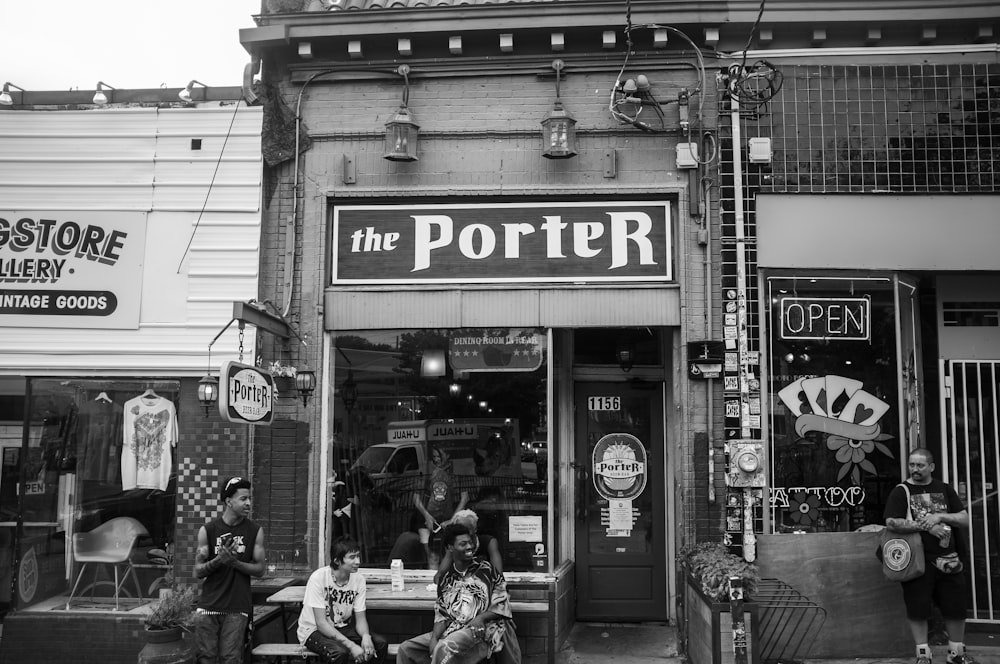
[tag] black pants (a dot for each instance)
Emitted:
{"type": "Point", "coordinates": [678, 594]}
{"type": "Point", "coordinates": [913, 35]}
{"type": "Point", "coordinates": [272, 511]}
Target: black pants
{"type": "Point", "coordinates": [331, 651]}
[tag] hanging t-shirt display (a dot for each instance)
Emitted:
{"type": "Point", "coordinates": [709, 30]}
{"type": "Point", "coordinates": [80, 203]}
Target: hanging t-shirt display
{"type": "Point", "coordinates": [99, 435]}
{"type": "Point", "coordinates": [150, 432]}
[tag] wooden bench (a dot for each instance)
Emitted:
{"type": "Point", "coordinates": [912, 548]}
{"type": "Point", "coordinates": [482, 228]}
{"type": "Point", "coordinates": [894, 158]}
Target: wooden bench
{"type": "Point", "coordinates": [419, 598]}
{"type": "Point", "coordinates": [276, 652]}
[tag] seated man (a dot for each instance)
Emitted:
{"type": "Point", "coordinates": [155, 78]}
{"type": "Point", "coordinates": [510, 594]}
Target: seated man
{"type": "Point", "coordinates": [486, 546]}
{"type": "Point", "coordinates": [472, 610]}
{"type": "Point", "coordinates": [333, 621]}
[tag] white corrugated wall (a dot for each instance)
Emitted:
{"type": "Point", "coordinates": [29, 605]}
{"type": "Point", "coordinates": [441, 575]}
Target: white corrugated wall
{"type": "Point", "coordinates": [142, 159]}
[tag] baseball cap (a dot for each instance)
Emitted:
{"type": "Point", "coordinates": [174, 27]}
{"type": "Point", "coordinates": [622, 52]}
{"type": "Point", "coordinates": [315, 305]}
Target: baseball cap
{"type": "Point", "coordinates": [232, 485]}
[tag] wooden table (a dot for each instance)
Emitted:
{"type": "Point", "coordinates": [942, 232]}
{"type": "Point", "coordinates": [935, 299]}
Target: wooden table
{"type": "Point", "coordinates": [379, 596]}
{"type": "Point", "coordinates": [382, 596]}
{"type": "Point", "coordinates": [268, 585]}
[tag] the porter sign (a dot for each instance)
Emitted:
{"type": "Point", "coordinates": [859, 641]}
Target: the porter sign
{"type": "Point", "coordinates": [502, 242]}
{"type": "Point", "coordinates": [247, 394]}
{"type": "Point", "coordinates": [826, 318]}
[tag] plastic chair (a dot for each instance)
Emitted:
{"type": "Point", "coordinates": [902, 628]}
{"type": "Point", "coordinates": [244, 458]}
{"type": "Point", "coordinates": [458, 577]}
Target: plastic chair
{"type": "Point", "coordinates": [110, 543]}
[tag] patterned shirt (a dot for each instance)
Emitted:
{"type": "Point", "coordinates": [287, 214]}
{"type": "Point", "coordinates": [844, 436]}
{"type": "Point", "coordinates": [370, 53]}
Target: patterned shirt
{"type": "Point", "coordinates": [461, 596]}
{"type": "Point", "coordinates": [150, 431]}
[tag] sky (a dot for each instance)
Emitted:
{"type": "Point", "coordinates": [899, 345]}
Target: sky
{"type": "Point", "coordinates": [124, 43]}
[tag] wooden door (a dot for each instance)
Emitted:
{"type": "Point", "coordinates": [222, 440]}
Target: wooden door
{"type": "Point", "coordinates": [621, 554]}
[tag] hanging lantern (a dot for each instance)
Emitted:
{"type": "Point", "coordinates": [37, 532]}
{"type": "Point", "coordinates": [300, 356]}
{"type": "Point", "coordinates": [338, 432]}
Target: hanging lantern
{"type": "Point", "coordinates": [305, 383]}
{"type": "Point", "coordinates": [401, 131]}
{"type": "Point", "coordinates": [559, 134]}
{"type": "Point", "coordinates": [208, 392]}
{"type": "Point", "coordinates": [558, 127]}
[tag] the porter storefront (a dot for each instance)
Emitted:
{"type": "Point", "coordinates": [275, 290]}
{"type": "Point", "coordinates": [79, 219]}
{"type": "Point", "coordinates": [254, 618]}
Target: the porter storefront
{"type": "Point", "coordinates": [514, 358]}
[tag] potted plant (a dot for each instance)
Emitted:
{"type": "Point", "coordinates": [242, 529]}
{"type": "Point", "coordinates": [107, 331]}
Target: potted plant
{"type": "Point", "coordinates": [707, 570]}
{"type": "Point", "coordinates": [711, 564]}
{"type": "Point", "coordinates": [166, 623]}
{"type": "Point", "coordinates": [284, 377]}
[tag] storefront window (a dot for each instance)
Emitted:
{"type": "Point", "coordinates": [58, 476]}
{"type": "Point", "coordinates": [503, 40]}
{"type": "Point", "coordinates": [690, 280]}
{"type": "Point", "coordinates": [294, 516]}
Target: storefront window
{"type": "Point", "coordinates": [94, 457]}
{"type": "Point", "coordinates": [834, 413]}
{"type": "Point", "coordinates": [428, 421]}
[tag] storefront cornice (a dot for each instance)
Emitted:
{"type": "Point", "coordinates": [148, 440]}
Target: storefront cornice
{"type": "Point", "coordinates": [734, 18]}
{"type": "Point", "coordinates": [661, 190]}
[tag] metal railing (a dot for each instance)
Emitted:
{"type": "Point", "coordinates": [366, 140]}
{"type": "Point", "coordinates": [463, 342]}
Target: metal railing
{"type": "Point", "coordinates": [789, 621]}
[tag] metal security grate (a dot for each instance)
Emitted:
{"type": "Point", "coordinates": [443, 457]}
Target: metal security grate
{"type": "Point", "coordinates": [903, 129]}
{"type": "Point", "coordinates": [789, 621]}
{"type": "Point", "coordinates": [972, 413]}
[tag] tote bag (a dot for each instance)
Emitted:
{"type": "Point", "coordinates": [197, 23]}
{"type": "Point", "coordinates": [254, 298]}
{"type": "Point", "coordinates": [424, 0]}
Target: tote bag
{"type": "Point", "coordinates": [902, 553]}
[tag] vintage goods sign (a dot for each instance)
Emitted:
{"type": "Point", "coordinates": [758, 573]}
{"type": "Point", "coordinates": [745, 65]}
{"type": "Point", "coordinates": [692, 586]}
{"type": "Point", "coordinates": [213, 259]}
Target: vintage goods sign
{"type": "Point", "coordinates": [71, 269]}
{"type": "Point", "coordinates": [246, 394]}
{"type": "Point", "coordinates": [502, 242]}
{"type": "Point", "coordinates": [826, 318]}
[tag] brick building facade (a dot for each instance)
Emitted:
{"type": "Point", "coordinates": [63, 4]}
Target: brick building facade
{"type": "Point", "coordinates": [844, 105]}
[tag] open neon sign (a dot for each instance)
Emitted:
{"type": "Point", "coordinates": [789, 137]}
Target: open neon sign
{"type": "Point", "coordinates": [826, 318]}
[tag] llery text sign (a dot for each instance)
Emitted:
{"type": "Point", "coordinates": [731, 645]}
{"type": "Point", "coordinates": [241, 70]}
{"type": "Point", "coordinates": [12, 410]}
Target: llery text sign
{"type": "Point", "coordinates": [502, 242]}
{"type": "Point", "coordinates": [71, 269]}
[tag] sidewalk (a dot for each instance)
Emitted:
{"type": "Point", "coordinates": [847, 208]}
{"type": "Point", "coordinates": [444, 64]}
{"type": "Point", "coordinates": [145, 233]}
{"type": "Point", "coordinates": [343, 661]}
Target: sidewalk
{"type": "Point", "coordinates": [656, 643]}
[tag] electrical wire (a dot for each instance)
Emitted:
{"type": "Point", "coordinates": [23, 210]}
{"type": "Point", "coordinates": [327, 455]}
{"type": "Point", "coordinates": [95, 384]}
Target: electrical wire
{"type": "Point", "coordinates": [626, 104]}
{"type": "Point", "coordinates": [628, 100]}
{"type": "Point", "coordinates": [211, 184]}
{"type": "Point", "coordinates": [753, 31]}
{"type": "Point", "coordinates": [756, 85]}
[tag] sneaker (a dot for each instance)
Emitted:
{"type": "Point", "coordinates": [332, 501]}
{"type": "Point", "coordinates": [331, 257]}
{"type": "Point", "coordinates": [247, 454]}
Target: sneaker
{"type": "Point", "coordinates": [964, 658]}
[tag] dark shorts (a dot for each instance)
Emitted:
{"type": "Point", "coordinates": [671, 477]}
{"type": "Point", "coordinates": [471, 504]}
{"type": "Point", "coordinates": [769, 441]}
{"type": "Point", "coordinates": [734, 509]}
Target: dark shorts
{"type": "Point", "coordinates": [947, 591]}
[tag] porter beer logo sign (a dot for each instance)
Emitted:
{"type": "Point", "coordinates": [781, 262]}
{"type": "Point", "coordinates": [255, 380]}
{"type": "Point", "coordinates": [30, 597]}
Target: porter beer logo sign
{"type": "Point", "coordinates": [511, 242]}
{"type": "Point", "coordinates": [71, 269]}
{"type": "Point", "coordinates": [247, 394]}
{"type": "Point", "coordinates": [619, 462]}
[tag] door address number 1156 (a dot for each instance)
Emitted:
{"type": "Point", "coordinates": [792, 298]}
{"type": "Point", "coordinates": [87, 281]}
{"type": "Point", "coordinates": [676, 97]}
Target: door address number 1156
{"type": "Point", "coordinates": [604, 403]}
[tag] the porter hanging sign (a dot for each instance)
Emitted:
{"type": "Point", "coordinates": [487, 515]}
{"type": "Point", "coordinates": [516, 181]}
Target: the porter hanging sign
{"type": "Point", "coordinates": [246, 394]}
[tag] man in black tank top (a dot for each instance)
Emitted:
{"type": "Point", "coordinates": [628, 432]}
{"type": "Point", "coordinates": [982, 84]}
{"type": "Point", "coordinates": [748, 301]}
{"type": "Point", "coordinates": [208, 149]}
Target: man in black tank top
{"type": "Point", "coordinates": [230, 551]}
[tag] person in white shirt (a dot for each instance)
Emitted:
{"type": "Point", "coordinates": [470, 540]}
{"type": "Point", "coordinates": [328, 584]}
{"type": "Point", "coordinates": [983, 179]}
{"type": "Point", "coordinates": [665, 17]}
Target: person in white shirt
{"type": "Point", "coordinates": [333, 623]}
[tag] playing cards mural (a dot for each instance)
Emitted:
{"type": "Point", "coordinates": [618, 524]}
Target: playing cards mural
{"type": "Point", "coordinates": [845, 415]}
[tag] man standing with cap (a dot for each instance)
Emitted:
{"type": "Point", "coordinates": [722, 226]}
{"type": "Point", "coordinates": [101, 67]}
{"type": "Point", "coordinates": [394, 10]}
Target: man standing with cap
{"type": "Point", "coordinates": [230, 551]}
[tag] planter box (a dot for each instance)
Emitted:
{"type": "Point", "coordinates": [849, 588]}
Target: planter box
{"type": "Point", "coordinates": [709, 628]}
